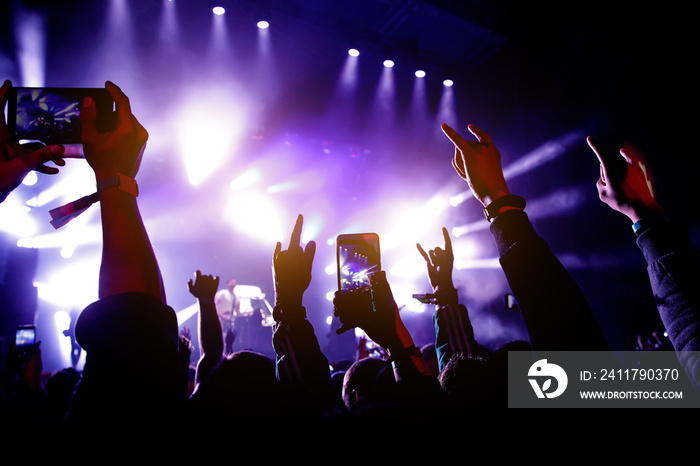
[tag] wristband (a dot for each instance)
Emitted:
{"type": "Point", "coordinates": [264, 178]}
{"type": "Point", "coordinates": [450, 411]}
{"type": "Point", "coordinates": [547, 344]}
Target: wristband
{"type": "Point", "coordinates": [404, 354]}
{"type": "Point", "coordinates": [642, 224]}
{"type": "Point", "coordinates": [509, 200]}
{"type": "Point", "coordinates": [122, 182]}
{"type": "Point", "coordinates": [64, 214]}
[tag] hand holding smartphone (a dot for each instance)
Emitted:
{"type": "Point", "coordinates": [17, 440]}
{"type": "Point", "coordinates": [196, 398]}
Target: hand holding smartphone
{"type": "Point", "coordinates": [51, 115]}
{"type": "Point", "coordinates": [25, 337]}
{"type": "Point", "coordinates": [358, 257]}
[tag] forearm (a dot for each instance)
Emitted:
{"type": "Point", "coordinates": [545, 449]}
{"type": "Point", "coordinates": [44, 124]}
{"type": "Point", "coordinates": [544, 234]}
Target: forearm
{"type": "Point", "coordinates": [128, 259]}
{"type": "Point", "coordinates": [674, 276]}
{"type": "Point", "coordinates": [300, 361]}
{"type": "Point", "coordinates": [211, 340]}
{"type": "Point", "coordinates": [555, 311]}
{"type": "Point", "coordinates": [453, 333]}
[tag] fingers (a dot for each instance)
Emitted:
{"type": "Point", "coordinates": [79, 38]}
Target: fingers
{"type": "Point", "coordinates": [453, 135]}
{"type": "Point", "coordinates": [309, 253]}
{"type": "Point", "coordinates": [88, 118]}
{"type": "Point", "coordinates": [278, 249]}
{"type": "Point", "coordinates": [481, 135]}
{"type": "Point", "coordinates": [4, 91]}
{"type": "Point", "coordinates": [448, 241]}
{"type": "Point", "coordinates": [458, 163]}
{"type": "Point", "coordinates": [295, 239]}
{"type": "Point", "coordinates": [121, 102]}
{"type": "Point", "coordinates": [603, 159]}
{"type": "Point", "coordinates": [423, 253]}
{"type": "Point", "coordinates": [37, 158]}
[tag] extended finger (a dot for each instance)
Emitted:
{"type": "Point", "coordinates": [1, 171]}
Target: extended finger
{"type": "Point", "coordinates": [37, 158]}
{"type": "Point", "coordinates": [122, 104]}
{"type": "Point", "coordinates": [448, 241]}
{"type": "Point", "coordinates": [88, 118]}
{"type": "Point", "coordinates": [309, 253]}
{"type": "Point", "coordinates": [603, 156]}
{"type": "Point", "coordinates": [423, 253]}
{"type": "Point", "coordinates": [480, 134]}
{"type": "Point", "coordinates": [453, 135]}
{"type": "Point", "coordinates": [295, 239]}
{"type": "Point", "coordinates": [4, 91]}
{"type": "Point", "coordinates": [278, 248]}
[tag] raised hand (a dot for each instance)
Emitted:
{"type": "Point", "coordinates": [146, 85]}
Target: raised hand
{"type": "Point", "coordinates": [291, 269]}
{"type": "Point", "coordinates": [17, 160]}
{"type": "Point", "coordinates": [203, 286]}
{"type": "Point", "coordinates": [478, 163]}
{"type": "Point", "coordinates": [439, 262]}
{"type": "Point", "coordinates": [116, 151]}
{"type": "Point", "coordinates": [625, 182]}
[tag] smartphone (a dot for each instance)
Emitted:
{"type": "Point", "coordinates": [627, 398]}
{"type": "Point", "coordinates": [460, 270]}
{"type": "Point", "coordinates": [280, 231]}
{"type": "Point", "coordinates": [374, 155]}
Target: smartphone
{"type": "Point", "coordinates": [25, 338]}
{"type": "Point", "coordinates": [358, 256]}
{"type": "Point", "coordinates": [51, 115]}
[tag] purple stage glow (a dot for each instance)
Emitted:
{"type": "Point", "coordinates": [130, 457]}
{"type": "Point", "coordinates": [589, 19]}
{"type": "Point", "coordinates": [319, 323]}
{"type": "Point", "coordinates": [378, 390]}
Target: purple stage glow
{"type": "Point", "coordinates": [250, 127]}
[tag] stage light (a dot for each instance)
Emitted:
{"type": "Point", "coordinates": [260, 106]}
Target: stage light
{"type": "Point", "coordinates": [547, 152]}
{"type": "Point", "coordinates": [218, 10]}
{"type": "Point", "coordinates": [30, 179]}
{"type": "Point", "coordinates": [246, 179]}
{"type": "Point", "coordinates": [15, 218]}
{"type": "Point", "coordinates": [72, 286]}
{"type": "Point", "coordinates": [254, 214]}
{"type": "Point", "coordinates": [420, 74]}
{"type": "Point", "coordinates": [448, 82]}
{"type": "Point", "coordinates": [457, 199]}
{"type": "Point", "coordinates": [263, 24]}
{"type": "Point", "coordinates": [416, 219]}
{"type": "Point", "coordinates": [211, 132]}
{"type": "Point", "coordinates": [389, 63]}
{"type": "Point", "coordinates": [354, 53]}
{"type": "Point", "coordinates": [31, 45]}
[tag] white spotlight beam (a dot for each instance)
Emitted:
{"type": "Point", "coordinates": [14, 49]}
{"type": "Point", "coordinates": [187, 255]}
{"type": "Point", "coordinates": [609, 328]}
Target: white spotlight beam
{"type": "Point", "coordinates": [31, 47]}
{"type": "Point", "coordinates": [547, 152]}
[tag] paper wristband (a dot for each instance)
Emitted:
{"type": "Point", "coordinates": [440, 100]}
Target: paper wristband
{"type": "Point", "coordinates": [64, 214]}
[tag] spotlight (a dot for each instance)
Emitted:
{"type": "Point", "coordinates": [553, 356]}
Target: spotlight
{"type": "Point", "coordinates": [389, 63]}
{"type": "Point", "coordinates": [218, 10]}
{"type": "Point", "coordinates": [420, 74]}
{"type": "Point", "coordinates": [448, 82]}
{"type": "Point", "coordinates": [353, 52]}
{"type": "Point", "coordinates": [263, 24]}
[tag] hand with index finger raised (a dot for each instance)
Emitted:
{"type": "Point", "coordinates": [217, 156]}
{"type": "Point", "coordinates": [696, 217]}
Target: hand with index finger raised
{"type": "Point", "coordinates": [625, 183]}
{"type": "Point", "coordinates": [292, 268]}
{"type": "Point", "coordinates": [440, 262]}
{"type": "Point", "coordinates": [478, 163]}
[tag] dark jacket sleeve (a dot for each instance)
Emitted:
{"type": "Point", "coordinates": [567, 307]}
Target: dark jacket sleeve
{"type": "Point", "coordinates": [674, 279]}
{"type": "Point", "coordinates": [454, 333]}
{"type": "Point", "coordinates": [302, 368]}
{"type": "Point", "coordinates": [556, 313]}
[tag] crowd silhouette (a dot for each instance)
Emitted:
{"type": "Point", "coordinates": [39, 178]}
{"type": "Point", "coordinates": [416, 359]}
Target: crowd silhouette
{"type": "Point", "coordinates": [150, 382]}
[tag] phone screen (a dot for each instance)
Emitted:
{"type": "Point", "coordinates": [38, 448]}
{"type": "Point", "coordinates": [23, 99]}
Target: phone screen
{"type": "Point", "coordinates": [358, 257]}
{"type": "Point", "coordinates": [52, 115]}
{"type": "Point", "coordinates": [25, 337]}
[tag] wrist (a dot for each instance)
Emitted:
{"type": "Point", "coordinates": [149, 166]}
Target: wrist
{"type": "Point", "coordinates": [502, 204]}
{"type": "Point", "coordinates": [445, 296]}
{"type": "Point", "coordinates": [118, 182]}
{"type": "Point", "coordinates": [638, 214]}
